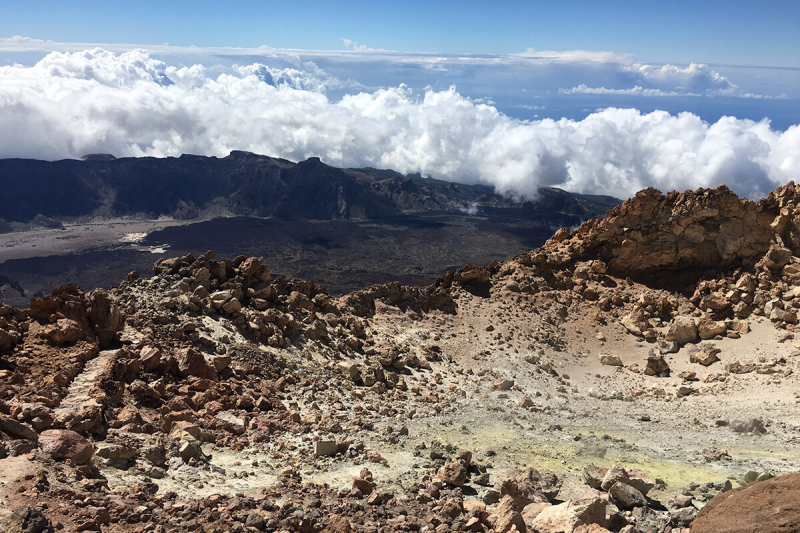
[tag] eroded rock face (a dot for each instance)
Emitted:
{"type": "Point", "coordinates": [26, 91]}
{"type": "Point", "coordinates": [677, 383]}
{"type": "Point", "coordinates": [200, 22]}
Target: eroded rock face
{"type": "Point", "coordinates": [706, 227]}
{"type": "Point", "coordinates": [770, 506]}
{"type": "Point", "coordinates": [69, 315]}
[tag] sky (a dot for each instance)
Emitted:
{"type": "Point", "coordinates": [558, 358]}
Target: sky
{"type": "Point", "coordinates": [594, 97]}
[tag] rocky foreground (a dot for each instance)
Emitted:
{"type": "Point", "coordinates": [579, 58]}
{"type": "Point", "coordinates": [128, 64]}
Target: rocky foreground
{"type": "Point", "coordinates": [635, 375]}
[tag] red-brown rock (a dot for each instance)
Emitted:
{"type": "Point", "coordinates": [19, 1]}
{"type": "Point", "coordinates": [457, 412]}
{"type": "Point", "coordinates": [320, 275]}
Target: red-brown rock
{"type": "Point", "coordinates": [771, 506]}
{"type": "Point", "coordinates": [66, 444]}
{"type": "Point", "coordinates": [453, 473]}
{"type": "Point", "coordinates": [193, 363]}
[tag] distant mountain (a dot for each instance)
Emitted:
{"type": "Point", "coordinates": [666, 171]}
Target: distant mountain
{"type": "Point", "coordinates": [253, 185]}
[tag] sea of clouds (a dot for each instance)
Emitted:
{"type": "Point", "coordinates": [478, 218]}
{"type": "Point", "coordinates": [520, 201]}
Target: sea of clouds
{"type": "Point", "coordinates": [70, 104]}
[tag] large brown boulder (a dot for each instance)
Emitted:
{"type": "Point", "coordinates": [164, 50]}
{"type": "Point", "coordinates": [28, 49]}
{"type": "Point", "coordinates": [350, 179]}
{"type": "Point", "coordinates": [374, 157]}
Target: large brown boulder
{"type": "Point", "coordinates": [66, 444]}
{"type": "Point", "coordinates": [771, 506]}
{"type": "Point", "coordinates": [453, 473]}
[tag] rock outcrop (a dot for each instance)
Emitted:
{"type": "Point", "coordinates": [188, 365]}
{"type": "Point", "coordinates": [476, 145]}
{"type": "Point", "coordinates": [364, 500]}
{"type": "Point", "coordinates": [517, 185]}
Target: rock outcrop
{"type": "Point", "coordinates": [702, 228]}
{"type": "Point", "coordinates": [771, 506]}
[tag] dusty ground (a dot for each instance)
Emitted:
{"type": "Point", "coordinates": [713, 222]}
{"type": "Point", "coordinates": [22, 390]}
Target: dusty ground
{"type": "Point", "coordinates": [75, 238]}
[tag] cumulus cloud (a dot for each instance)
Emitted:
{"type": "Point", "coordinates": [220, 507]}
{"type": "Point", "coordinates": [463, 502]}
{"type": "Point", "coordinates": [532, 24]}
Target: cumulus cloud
{"type": "Point", "coordinates": [129, 104]}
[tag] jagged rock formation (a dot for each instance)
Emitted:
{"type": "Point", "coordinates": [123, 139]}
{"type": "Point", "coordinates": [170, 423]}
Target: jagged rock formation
{"type": "Point", "coordinates": [703, 228]}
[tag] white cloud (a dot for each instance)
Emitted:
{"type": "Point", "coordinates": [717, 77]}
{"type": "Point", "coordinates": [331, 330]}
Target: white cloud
{"type": "Point", "coordinates": [130, 104]}
{"type": "Point", "coordinates": [581, 56]}
{"type": "Point", "coordinates": [21, 39]}
{"type": "Point", "coordinates": [353, 45]}
{"type": "Point", "coordinates": [670, 80]}
{"type": "Point", "coordinates": [635, 91]}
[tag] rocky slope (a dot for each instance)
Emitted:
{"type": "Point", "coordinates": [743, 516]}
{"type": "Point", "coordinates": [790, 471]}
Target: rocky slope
{"type": "Point", "coordinates": [621, 378]}
{"type": "Point", "coordinates": [248, 184]}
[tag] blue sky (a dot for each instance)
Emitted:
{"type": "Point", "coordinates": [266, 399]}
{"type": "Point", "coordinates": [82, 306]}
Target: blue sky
{"type": "Point", "coordinates": [733, 31]}
{"type": "Point", "coordinates": [595, 97]}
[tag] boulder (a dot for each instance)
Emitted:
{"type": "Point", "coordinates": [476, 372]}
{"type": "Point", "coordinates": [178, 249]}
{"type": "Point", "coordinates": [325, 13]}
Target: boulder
{"type": "Point", "coordinates": [777, 257]}
{"type": "Point", "coordinates": [665, 346]}
{"type": "Point", "coordinates": [566, 517]}
{"type": "Point", "coordinates": [115, 454]}
{"type": "Point", "coordinates": [593, 476]}
{"type": "Point", "coordinates": [639, 480]}
{"type": "Point", "coordinates": [682, 330]}
{"type": "Point", "coordinates": [708, 328]}
{"type": "Point", "coordinates": [255, 520]}
{"type": "Point", "coordinates": [532, 510]}
{"type": "Point", "coordinates": [66, 444]}
{"type": "Point", "coordinates": [530, 485]}
{"type": "Point", "coordinates": [64, 331]}
{"type": "Point", "coordinates": [251, 266]}
{"type": "Point", "coordinates": [150, 357]}
{"type": "Point", "coordinates": [754, 426]}
{"type": "Point", "coordinates": [609, 359]}
{"type": "Point", "coordinates": [106, 318]}
{"type": "Point", "coordinates": [715, 301]}
{"type": "Point", "coordinates": [221, 362]}
{"type": "Point", "coordinates": [338, 524]}
{"type": "Point", "coordinates": [193, 363]}
{"type": "Point", "coordinates": [12, 428]}
{"type": "Point", "coordinates": [626, 497]}
{"type": "Point", "coordinates": [656, 366]}
{"type": "Point", "coordinates": [771, 506]}
{"type": "Point", "coordinates": [453, 473]}
{"type": "Point", "coordinates": [230, 422]}
{"type": "Point", "coordinates": [503, 384]}
{"type": "Point", "coordinates": [506, 517]}
{"type": "Point", "coordinates": [232, 306]}
{"type": "Point", "coordinates": [189, 448]}
{"type": "Point", "coordinates": [705, 355]}
{"type": "Point", "coordinates": [613, 475]}
{"type": "Point", "coordinates": [26, 519]}
{"type": "Point", "coordinates": [365, 486]}
{"type": "Point", "coordinates": [682, 517]}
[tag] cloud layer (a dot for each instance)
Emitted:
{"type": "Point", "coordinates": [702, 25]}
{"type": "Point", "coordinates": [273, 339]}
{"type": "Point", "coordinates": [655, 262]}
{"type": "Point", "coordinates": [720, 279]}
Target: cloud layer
{"type": "Point", "coordinates": [671, 80]}
{"type": "Point", "coordinates": [129, 104]}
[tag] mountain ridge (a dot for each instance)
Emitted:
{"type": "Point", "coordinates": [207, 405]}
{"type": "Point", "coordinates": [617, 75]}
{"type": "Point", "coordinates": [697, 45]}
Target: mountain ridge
{"type": "Point", "coordinates": [248, 184]}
